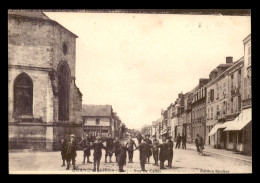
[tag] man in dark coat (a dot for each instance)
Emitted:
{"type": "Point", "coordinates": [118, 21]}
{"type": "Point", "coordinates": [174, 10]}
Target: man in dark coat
{"type": "Point", "coordinates": [109, 148]}
{"type": "Point", "coordinates": [149, 143]}
{"type": "Point", "coordinates": [63, 154]}
{"type": "Point", "coordinates": [97, 146]}
{"type": "Point", "coordinates": [86, 143]}
{"type": "Point", "coordinates": [139, 138]}
{"type": "Point", "coordinates": [130, 147]}
{"type": "Point", "coordinates": [117, 145]}
{"type": "Point", "coordinates": [163, 152]}
{"type": "Point", "coordinates": [183, 141]}
{"type": "Point", "coordinates": [178, 141]}
{"type": "Point", "coordinates": [143, 153]}
{"type": "Point", "coordinates": [201, 145]}
{"type": "Point", "coordinates": [197, 143]}
{"type": "Point", "coordinates": [121, 158]}
{"type": "Point", "coordinates": [70, 152]}
{"type": "Point", "coordinates": [170, 151]}
{"type": "Point", "coordinates": [155, 150]}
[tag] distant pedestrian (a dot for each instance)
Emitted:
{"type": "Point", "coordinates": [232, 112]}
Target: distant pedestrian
{"type": "Point", "coordinates": [163, 152]}
{"type": "Point", "coordinates": [130, 147]}
{"type": "Point", "coordinates": [201, 145]}
{"type": "Point", "coordinates": [139, 138]}
{"type": "Point", "coordinates": [149, 150]}
{"type": "Point", "coordinates": [197, 143]}
{"type": "Point", "coordinates": [143, 153]}
{"type": "Point", "coordinates": [155, 150]}
{"type": "Point", "coordinates": [70, 152]}
{"type": "Point", "coordinates": [63, 152]}
{"type": "Point", "coordinates": [97, 146]}
{"type": "Point", "coordinates": [170, 151]}
{"type": "Point", "coordinates": [109, 148]}
{"type": "Point", "coordinates": [183, 141]}
{"type": "Point", "coordinates": [178, 141]}
{"type": "Point", "coordinates": [117, 145]}
{"type": "Point", "coordinates": [121, 158]}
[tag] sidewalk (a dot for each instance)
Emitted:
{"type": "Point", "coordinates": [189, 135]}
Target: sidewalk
{"type": "Point", "coordinates": [223, 153]}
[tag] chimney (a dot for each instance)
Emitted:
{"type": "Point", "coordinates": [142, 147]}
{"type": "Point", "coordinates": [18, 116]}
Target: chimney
{"type": "Point", "coordinates": [229, 60]}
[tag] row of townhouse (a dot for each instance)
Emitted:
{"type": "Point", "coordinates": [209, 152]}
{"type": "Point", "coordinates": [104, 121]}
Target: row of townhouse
{"type": "Point", "coordinates": [218, 108]}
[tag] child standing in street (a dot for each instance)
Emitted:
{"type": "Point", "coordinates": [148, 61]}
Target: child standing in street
{"type": "Point", "coordinates": [97, 146]}
{"type": "Point", "coordinates": [121, 157]}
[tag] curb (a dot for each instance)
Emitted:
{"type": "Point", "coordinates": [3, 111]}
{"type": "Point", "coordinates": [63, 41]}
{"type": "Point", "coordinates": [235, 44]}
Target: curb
{"type": "Point", "coordinates": [228, 157]}
{"type": "Point", "coordinates": [223, 155]}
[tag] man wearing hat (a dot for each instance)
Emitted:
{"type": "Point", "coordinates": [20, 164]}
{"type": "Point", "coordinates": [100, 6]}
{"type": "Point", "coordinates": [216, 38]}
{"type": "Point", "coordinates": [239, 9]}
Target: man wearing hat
{"type": "Point", "coordinates": [163, 152]}
{"type": "Point", "coordinates": [70, 151]}
{"type": "Point", "coordinates": [139, 138]}
{"type": "Point", "coordinates": [109, 148]}
{"type": "Point", "coordinates": [143, 153]}
{"type": "Point", "coordinates": [97, 146]}
{"type": "Point", "coordinates": [155, 150]}
{"type": "Point", "coordinates": [130, 147]}
{"type": "Point", "coordinates": [117, 145]}
{"type": "Point", "coordinates": [121, 156]}
{"type": "Point", "coordinates": [170, 151]}
{"type": "Point", "coordinates": [149, 143]}
{"type": "Point", "coordinates": [86, 147]}
{"type": "Point", "coordinates": [63, 152]}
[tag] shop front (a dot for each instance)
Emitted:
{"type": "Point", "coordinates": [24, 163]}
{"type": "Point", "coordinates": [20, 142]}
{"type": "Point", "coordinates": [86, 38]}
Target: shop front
{"type": "Point", "coordinates": [94, 131]}
{"type": "Point", "coordinates": [239, 132]}
{"type": "Point", "coordinates": [218, 136]}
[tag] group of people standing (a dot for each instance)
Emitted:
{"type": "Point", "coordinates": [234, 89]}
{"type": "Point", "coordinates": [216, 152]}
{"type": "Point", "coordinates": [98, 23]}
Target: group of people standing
{"type": "Point", "coordinates": [160, 151]}
{"type": "Point", "coordinates": [117, 147]}
{"type": "Point", "coordinates": [148, 147]}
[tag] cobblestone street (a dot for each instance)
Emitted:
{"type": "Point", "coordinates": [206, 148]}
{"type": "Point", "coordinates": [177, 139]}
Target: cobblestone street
{"type": "Point", "coordinates": [184, 161]}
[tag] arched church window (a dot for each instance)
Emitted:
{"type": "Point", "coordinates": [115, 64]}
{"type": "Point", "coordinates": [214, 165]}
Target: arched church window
{"type": "Point", "coordinates": [63, 87]}
{"type": "Point", "coordinates": [23, 95]}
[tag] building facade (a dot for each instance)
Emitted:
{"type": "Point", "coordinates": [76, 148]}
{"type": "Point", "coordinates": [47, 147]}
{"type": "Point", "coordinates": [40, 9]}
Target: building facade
{"type": "Point", "coordinates": [187, 119]}
{"type": "Point", "coordinates": [239, 130]}
{"type": "Point", "coordinates": [217, 102]}
{"type": "Point", "coordinates": [100, 120]}
{"type": "Point", "coordinates": [44, 103]}
{"type": "Point", "coordinates": [147, 129]}
{"type": "Point", "coordinates": [247, 96]}
{"type": "Point", "coordinates": [198, 106]}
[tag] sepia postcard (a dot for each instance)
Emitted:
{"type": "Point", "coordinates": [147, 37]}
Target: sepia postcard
{"type": "Point", "coordinates": [129, 91]}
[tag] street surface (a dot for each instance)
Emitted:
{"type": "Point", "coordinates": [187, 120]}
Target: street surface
{"type": "Point", "coordinates": [184, 161]}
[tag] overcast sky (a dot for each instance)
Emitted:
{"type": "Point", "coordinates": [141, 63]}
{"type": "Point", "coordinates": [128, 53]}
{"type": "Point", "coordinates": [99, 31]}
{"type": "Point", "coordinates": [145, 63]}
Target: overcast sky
{"type": "Point", "coordinates": [138, 63]}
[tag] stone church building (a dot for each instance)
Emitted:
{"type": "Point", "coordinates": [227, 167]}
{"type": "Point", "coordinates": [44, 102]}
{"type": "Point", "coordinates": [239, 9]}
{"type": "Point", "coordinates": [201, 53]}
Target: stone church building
{"type": "Point", "coordinates": [44, 103]}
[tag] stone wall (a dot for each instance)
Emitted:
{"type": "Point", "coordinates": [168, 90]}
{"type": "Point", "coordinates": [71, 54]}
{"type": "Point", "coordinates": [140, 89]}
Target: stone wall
{"type": "Point", "coordinates": [30, 42]}
{"type": "Point", "coordinates": [35, 48]}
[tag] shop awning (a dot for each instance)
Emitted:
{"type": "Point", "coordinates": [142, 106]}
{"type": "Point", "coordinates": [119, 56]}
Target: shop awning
{"type": "Point", "coordinates": [214, 129]}
{"type": "Point", "coordinates": [218, 126]}
{"type": "Point", "coordinates": [164, 132]}
{"type": "Point", "coordinates": [240, 121]}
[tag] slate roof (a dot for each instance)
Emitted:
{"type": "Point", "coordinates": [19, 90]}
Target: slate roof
{"type": "Point", "coordinates": [226, 65]}
{"type": "Point", "coordinates": [97, 110]}
{"type": "Point", "coordinates": [29, 13]}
